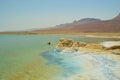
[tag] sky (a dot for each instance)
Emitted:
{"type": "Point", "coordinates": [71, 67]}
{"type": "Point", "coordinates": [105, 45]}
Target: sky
{"type": "Point", "coordinates": [30, 14]}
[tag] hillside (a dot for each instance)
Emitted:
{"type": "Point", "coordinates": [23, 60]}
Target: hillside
{"type": "Point", "coordinates": [86, 25]}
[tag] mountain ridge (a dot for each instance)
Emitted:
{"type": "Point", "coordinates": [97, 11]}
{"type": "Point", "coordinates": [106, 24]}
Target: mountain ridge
{"type": "Point", "coordinates": [88, 25]}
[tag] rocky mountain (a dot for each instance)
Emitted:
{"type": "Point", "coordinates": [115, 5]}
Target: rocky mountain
{"type": "Point", "coordinates": [81, 21]}
{"type": "Point", "coordinates": [88, 20]}
{"type": "Point", "coordinates": [87, 25]}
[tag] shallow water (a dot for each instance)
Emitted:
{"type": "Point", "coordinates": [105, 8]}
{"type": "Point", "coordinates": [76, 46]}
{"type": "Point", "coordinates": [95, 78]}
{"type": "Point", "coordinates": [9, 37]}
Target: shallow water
{"type": "Point", "coordinates": [20, 57]}
{"type": "Point", "coordinates": [85, 66]}
{"type": "Point", "coordinates": [65, 61]}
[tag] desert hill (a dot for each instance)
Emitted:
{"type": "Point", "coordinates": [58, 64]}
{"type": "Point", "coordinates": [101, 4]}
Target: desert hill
{"type": "Point", "coordinates": [86, 25]}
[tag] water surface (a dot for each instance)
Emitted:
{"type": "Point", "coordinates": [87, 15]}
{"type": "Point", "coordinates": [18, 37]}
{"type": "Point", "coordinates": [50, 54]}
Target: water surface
{"type": "Point", "coordinates": [20, 56]}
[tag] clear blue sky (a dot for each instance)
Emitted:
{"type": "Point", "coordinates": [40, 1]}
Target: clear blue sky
{"type": "Point", "coordinates": [27, 14]}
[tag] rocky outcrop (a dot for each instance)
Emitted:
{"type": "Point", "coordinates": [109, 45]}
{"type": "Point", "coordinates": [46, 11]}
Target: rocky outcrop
{"type": "Point", "coordinates": [64, 43]}
{"type": "Point", "coordinates": [94, 46]}
{"type": "Point", "coordinates": [68, 44]}
{"type": "Point", "coordinates": [113, 47]}
{"type": "Point", "coordinates": [110, 45]}
{"type": "Point", "coordinates": [76, 45]}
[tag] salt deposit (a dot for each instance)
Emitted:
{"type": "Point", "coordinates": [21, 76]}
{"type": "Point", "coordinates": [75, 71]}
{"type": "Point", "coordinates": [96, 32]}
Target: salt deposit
{"type": "Point", "coordinates": [109, 44]}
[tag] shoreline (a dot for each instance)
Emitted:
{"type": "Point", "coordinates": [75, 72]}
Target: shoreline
{"type": "Point", "coordinates": [101, 64]}
{"type": "Point", "coordinates": [94, 58]}
{"type": "Point", "coordinates": [84, 34]}
{"type": "Point", "coordinates": [93, 36]}
{"type": "Point", "coordinates": [111, 47]}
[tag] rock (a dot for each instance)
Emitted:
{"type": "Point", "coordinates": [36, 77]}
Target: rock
{"type": "Point", "coordinates": [113, 47]}
{"type": "Point", "coordinates": [79, 44]}
{"type": "Point", "coordinates": [49, 43]}
{"type": "Point", "coordinates": [76, 45]}
{"type": "Point", "coordinates": [94, 46]}
{"type": "Point", "coordinates": [65, 43]}
{"type": "Point", "coordinates": [70, 45]}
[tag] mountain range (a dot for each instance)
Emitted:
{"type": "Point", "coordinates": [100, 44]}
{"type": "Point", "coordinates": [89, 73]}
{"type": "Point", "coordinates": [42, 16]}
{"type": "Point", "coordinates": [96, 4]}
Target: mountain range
{"type": "Point", "coordinates": [85, 25]}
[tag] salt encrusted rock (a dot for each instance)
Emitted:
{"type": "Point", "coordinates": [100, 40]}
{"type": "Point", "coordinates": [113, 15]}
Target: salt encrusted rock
{"type": "Point", "coordinates": [94, 46]}
{"type": "Point", "coordinates": [70, 45]}
{"type": "Point", "coordinates": [79, 44]}
{"type": "Point", "coordinates": [76, 45]}
{"type": "Point", "coordinates": [111, 45]}
{"type": "Point", "coordinates": [65, 43]}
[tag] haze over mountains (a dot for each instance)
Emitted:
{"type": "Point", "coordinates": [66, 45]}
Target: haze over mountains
{"type": "Point", "coordinates": [86, 25]}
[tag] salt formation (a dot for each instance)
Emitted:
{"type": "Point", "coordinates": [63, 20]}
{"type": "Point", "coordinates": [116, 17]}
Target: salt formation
{"type": "Point", "coordinates": [70, 45]}
{"type": "Point", "coordinates": [111, 44]}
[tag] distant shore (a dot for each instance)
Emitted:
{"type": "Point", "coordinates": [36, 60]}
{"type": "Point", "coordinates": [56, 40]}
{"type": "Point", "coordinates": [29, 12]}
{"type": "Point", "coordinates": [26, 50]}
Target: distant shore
{"type": "Point", "coordinates": [102, 36]}
{"type": "Point", "coordinates": [115, 36]}
{"type": "Point", "coordinates": [63, 32]}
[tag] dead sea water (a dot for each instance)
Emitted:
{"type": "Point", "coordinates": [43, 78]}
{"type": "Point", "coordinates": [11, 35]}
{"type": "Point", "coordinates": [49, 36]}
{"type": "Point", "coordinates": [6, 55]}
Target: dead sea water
{"type": "Point", "coordinates": [20, 57]}
{"type": "Point", "coordinates": [85, 66]}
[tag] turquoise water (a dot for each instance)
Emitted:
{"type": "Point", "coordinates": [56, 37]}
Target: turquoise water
{"type": "Point", "coordinates": [65, 61]}
{"type": "Point", "coordinates": [17, 52]}
{"type": "Point", "coordinates": [85, 65]}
